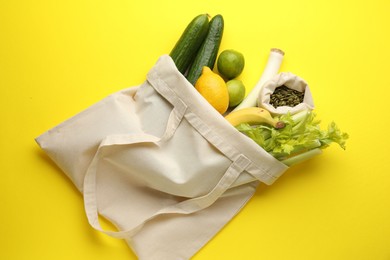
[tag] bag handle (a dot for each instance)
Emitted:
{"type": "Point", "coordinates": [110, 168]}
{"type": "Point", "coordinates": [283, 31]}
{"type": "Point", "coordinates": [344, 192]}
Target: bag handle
{"type": "Point", "coordinates": [89, 189]}
{"type": "Point", "coordinates": [239, 164]}
{"type": "Point", "coordinates": [185, 207]}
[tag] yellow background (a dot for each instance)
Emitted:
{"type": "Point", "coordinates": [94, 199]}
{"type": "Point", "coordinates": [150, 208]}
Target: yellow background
{"type": "Point", "coordinates": [59, 57]}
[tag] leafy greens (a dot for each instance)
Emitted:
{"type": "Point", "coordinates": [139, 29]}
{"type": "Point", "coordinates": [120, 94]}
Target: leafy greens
{"type": "Point", "coordinates": [301, 136]}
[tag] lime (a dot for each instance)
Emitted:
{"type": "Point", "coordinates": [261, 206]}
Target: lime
{"type": "Point", "coordinates": [236, 91]}
{"type": "Point", "coordinates": [230, 63]}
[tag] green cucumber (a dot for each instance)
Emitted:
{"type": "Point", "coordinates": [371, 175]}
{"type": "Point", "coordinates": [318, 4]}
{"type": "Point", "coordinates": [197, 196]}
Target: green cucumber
{"type": "Point", "coordinates": [207, 53]}
{"type": "Point", "coordinates": [189, 42]}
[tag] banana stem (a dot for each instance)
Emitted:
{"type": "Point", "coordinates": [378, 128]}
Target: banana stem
{"type": "Point", "coordinates": [271, 69]}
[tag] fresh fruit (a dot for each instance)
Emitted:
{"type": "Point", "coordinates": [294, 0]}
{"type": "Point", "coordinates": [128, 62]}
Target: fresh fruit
{"type": "Point", "coordinates": [208, 52]}
{"type": "Point", "coordinates": [189, 42]}
{"type": "Point", "coordinates": [253, 116]}
{"type": "Point", "coordinates": [230, 63]}
{"type": "Point", "coordinates": [236, 91]}
{"type": "Point", "coordinates": [213, 88]}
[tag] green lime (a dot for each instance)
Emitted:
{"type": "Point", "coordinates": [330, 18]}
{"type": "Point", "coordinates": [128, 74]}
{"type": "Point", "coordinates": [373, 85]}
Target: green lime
{"type": "Point", "coordinates": [236, 91]}
{"type": "Point", "coordinates": [230, 63]}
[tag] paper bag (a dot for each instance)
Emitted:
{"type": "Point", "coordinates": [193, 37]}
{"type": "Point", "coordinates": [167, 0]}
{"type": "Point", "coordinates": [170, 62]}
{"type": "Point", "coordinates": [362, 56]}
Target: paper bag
{"type": "Point", "coordinates": [160, 163]}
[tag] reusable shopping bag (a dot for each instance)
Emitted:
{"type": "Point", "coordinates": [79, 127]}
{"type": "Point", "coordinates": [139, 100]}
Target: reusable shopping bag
{"type": "Point", "coordinates": [291, 81]}
{"type": "Point", "coordinates": [160, 163]}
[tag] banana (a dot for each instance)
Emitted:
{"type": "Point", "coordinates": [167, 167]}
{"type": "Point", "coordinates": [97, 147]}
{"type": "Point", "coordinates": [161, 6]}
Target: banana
{"type": "Point", "coordinates": [253, 116]}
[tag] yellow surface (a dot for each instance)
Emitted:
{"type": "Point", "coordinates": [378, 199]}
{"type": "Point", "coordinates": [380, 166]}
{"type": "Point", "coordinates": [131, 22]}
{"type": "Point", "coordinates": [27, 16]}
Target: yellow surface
{"type": "Point", "coordinates": [59, 57]}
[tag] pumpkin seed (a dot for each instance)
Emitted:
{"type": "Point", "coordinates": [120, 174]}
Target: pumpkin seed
{"type": "Point", "coordinates": [285, 96]}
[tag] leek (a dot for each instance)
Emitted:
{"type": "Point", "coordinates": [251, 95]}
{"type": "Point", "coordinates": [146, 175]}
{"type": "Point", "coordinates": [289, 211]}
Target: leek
{"type": "Point", "coordinates": [271, 69]}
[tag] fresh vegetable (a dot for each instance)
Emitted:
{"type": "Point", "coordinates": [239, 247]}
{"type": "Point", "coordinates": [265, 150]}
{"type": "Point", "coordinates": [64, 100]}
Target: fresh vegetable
{"type": "Point", "coordinates": [208, 52]}
{"type": "Point", "coordinates": [301, 137]}
{"type": "Point", "coordinates": [189, 42]}
{"type": "Point", "coordinates": [301, 157]}
{"type": "Point", "coordinates": [253, 116]}
{"type": "Point", "coordinates": [271, 69]}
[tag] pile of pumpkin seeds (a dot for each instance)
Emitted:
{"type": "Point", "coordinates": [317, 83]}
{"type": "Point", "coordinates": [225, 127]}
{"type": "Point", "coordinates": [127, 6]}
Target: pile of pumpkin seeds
{"type": "Point", "coordinates": [285, 96]}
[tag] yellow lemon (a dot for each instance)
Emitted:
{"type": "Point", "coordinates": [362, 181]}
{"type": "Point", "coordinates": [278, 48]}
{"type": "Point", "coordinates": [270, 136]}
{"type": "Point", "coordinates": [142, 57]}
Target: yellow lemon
{"type": "Point", "coordinates": [213, 88]}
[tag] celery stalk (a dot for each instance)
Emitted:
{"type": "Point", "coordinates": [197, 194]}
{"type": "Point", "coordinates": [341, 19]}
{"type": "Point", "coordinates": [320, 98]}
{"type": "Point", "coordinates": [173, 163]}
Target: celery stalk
{"type": "Point", "coordinates": [300, 139]}
{"type": "Point", "coordinates": [298, 149]}
{"type": "Point", "coordinates": [302, 157]}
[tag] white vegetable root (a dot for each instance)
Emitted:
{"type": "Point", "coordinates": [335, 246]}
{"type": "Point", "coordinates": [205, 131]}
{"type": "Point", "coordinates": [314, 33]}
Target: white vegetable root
{"type": "Point", "coordinates": [271, 69]}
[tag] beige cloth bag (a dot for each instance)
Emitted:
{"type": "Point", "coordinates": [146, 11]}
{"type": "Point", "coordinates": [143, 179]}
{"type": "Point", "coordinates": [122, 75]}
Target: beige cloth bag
{"type": "Point", "coordinates": [291, 81]}
{"type": "Point", "coordinates": [159, 163]}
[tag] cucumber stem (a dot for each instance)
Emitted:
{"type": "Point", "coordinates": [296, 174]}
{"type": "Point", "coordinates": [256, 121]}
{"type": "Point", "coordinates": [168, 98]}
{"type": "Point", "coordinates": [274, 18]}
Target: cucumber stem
{"type": "Point", "coordinates": [271, 69]}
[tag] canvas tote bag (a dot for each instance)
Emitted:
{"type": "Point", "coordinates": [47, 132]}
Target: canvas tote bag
{"type": "Point", "coordinates": [291, 81]}
{"type": "Point", "coordinates": [160, 163]}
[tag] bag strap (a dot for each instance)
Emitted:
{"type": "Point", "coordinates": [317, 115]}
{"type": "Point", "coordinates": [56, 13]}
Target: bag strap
{"type": "Point", "coordinates": [239, 164]}
{"type": "Point", "coordinates": [89, 189]}
{"type": "Point", "coordinates": [185, 207]}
